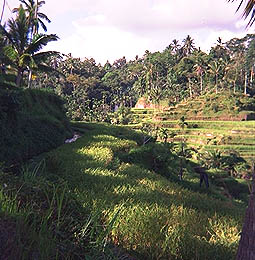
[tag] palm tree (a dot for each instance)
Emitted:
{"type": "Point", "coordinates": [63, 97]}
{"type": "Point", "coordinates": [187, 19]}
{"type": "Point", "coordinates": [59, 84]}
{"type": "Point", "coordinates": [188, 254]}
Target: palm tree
{"type": "Point", "coordinates": [250, 62]}
{"type": "Point", "coordinates": [175, 46]}
{"type": "Point", "coordinates": [34, 16]}
{"type": "Point", "coordinates": [177, 50]}
{"type": "Point", "coordinates": [185, 69]}
{"type": "Point", "coordinates": [22, 52]}
{"type": "Point", "coordinates": [34, 19]}
{"type": "Point", "coordinates": [249, 9]}
{"type": "Point", "coordinates": [231, 73]}
{"type": "Point", "coordinates": [214, 69]}
{"type": "Point", "coordinates": [200, 66]}
{"type": "Point", "coordinates": [188, 46]}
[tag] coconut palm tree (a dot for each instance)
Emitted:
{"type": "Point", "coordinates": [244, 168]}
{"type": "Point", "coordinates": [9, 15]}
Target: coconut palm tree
{"type": "Point", "coordinates": [200, 58]}
{"type": "Point", "coordinates": [185, 69]}
{"type": "Point", "coordinates": [188, 45]}
{"type": "Point", "coordinates": [248, 10]}
{"type": "Point", "coordinates": [175, 46]}
{"type": "Point", "coordinates": [231, 73]}
{"type": "Point", "coordinates": [34, 16]}
{"type": "Point", "coordinates": [214, 69]}
{"type": "Point", "coordinates": [21, 52]}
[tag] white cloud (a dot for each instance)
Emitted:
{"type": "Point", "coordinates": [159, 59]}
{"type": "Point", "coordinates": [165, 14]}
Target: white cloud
{"type": "Point", "coordinates": [94, 38]}
{"type": "Point", "coordinates": [111, 29]}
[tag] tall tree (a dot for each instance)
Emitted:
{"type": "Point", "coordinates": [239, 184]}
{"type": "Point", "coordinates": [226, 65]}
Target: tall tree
{"type": "Point", "coordinates": [214, 69]}
{"type": "Point", "coordinates": [185, 69]}
{"type": "Point", "coordinates": [200, 66]}
{"type": "Point", "coordinates": [35, 18]}
{"type": "Point", "coordinates": [188, 45]}
{"type": "Point", "coordinates": [22, 53]}
{"type": "Point", "coordinates": [250, 62]}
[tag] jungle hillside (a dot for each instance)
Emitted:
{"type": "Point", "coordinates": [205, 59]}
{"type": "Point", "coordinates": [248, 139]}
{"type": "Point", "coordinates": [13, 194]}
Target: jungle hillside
{"type": "Point", "coordinates": [151, 158]}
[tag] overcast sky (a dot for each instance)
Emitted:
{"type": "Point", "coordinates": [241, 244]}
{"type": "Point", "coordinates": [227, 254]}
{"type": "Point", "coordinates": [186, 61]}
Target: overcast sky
{"type": "Point", "coordinates": [110, 29]}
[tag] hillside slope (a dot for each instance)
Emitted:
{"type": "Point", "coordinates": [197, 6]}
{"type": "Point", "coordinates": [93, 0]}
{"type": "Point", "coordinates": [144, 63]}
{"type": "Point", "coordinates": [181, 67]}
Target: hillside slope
{"type": "Point", "coordinates": [92, 203]}
{"type": "Point", "coordinates": [222, 106]}
{"type": "Point", "coordinates": [213, 122]}
{"type": "Point", "coordinates": [31, 122]}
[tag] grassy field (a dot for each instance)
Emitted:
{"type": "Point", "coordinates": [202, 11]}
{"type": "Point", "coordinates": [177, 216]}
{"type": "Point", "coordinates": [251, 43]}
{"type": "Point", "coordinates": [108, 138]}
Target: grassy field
{"type": "Point", "coordinates": [95, 199]}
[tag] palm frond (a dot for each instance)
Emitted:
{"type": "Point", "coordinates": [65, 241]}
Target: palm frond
{"type": "Point", "coordinates": [43, 56]}
{"type": "Point", "coordinates": [248, 10]}
{"type": "Point", "coordinates": [19, 30]}
{"type": "Point", "coordinates": [42, 24]}
{"type": "Point", "coordinates": [40, 41]}
{"type": "Point", "coordinates": [15, 10]}
{"type": "Point", "coordinates": [41, 3]}
{"type": "Point", "coordinates": [45, 17]}
{"type": "Point", "coordinates": [10, 52]}
{"type": "Point", "coordinates": [27, 60]}
{"type": "Point", "coordinates": [6, 34]}
{"type": "Point", "coordinates": [27, 4]}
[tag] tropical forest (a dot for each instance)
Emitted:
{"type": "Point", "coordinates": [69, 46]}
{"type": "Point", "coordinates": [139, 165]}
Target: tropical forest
{"type": "Point", "coordinates": [150, 158]}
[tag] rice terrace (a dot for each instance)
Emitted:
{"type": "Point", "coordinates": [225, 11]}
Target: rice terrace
{"type": "Point", "coordinates": [136, 159]}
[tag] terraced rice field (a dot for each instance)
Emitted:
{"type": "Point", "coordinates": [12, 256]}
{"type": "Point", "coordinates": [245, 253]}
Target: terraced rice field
{"type": "Point", "coordinates": [225, 136]}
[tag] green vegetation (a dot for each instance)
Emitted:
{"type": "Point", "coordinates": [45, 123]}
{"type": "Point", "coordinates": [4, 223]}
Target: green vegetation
{"type": "Point", "coordinates": [85, 200]}
{"type": "Point", "coordinates": [118, 192]}
{"type": "Point", "coordinates": [208, 134]}
{"type": "Point", "coordinates": [20, 44]}
{"type": "Point", "coordinates": [229, 106]}
{"type": "Point", "coordinates": [31, 122]}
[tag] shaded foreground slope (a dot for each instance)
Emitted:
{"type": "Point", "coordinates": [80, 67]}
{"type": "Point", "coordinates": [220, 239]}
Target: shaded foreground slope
{"type": "Point", "coordinates": [32, 121]}
{"type": "Point", "coordinates": [108, 204]}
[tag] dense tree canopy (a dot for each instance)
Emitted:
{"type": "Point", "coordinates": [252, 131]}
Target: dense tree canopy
{"type": "Point", "coordinates": [178, 72]}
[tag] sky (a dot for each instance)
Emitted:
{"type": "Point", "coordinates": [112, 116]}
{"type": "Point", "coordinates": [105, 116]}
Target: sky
{"type": "Point", "coordinates": [110, 29]}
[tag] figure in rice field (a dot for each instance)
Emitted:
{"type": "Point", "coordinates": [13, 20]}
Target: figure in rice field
{"type": "Point", "coordinates": [203, 176]}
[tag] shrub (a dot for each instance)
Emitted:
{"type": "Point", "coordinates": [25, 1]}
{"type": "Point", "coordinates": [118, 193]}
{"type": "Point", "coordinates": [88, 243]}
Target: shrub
{"type": "Point", "coordinates": [154, 156]}
{"type": "Point", "coordinates": [121, 116]}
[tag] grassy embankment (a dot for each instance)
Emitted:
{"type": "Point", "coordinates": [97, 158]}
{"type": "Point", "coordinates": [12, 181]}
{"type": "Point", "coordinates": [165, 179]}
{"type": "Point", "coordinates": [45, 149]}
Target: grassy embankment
{"type": "Point", "coordinates": [31, 122]}
{"type": "Point", "coordinates": [96, 197]}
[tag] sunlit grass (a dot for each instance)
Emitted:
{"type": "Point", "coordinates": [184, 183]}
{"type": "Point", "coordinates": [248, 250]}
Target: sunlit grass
{"type": "Point", "coordinates": [87, 199]}
{"type": "Point", "coordinates": [156, 218]}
